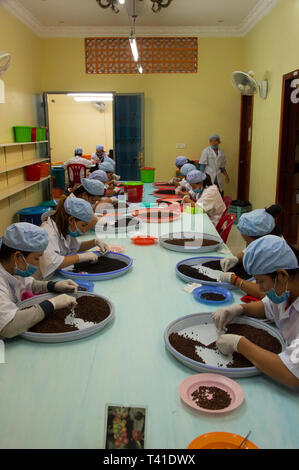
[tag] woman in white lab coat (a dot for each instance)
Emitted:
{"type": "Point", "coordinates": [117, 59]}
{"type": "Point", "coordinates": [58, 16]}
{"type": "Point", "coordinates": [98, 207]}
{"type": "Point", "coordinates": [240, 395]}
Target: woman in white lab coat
{"type": "Point", "coordinates": [21, 248]}
{"type": "Point", "coordinates": [213, 162]}
{"type": "Point", "coordinates": [274, 264]}
{"type": "Point", "coordinates": [205, 194]}
{"type": "Point", "coordinates": [70, 220]}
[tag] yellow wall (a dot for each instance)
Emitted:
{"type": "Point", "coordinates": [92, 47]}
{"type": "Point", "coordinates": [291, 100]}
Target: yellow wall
{"type": "Point", "coordinates": [178, 108]}
{"type": "Point", "coordinates": [271, 50]}
{"type": "Point", "coordinates": [22, 83]}
{"type": "Point", "coordinates": [77, 124]}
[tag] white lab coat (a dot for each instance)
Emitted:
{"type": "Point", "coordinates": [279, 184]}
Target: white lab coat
{"type": "Point", "coordinates": [214, 162]}
{"type": "Point", "coordinates": [212, 203]}
{"type": "Point", "coordinates": [57, 249]}
{"type": "Point", "coordinates": [78, 160]}
{"type": "Point", "coordinates": [287, 321]}
{"type": "Point", "coordinates": [11, 290]}
{"type": "Point", "coordinates": [96, 159]}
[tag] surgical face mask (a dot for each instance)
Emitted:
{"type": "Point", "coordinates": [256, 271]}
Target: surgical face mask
{"type": "Point", "coordinates": [76, 233]}
{"type": "Point", "coordinates": [29, 271]}
{"type": "Point", "coordinates": [198, 191]}
{"type": "Point", "coordinates": [278, 299]}
{"type": "Point", "coordinates": [215, 147]}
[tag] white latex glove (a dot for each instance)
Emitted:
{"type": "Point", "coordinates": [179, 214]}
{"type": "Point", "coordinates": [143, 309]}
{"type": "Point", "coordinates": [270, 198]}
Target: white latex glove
{"type": "Point", "coordinates": [66, 286]}
{"type": "Point", "coordinates": [104, 248]}
{"type": "Point", "coordinates": [88, 257]}
{"type": "Point", "coordinates": [228, 263]}
{"type": "Point", "coordinates": [63, 301]}
{"type": "Point", "coordinates": [227, 344]}
{"type": "Point", "coordinates": [225, 277]}
{"type": "Point", "coordinates": [225, 315]}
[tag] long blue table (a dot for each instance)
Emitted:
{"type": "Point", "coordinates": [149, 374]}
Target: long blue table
{"type": "Point", "coordinates": [54, 395]}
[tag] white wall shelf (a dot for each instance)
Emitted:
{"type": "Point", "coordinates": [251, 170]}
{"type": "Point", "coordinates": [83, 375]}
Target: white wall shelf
{"type": "Point", "coordinates": [16, 144]}
{"type": "Point", "coordinates": [23, 164]}
{"type": "Point", "coordinates": [21, 187]}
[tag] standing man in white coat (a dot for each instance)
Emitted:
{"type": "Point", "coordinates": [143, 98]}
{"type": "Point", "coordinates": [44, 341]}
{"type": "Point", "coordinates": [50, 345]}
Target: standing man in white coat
{"type": "Point", "coordinates": [213, 162]}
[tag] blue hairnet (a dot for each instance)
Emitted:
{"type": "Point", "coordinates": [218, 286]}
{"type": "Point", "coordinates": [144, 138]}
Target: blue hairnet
{"type": "Point", "coordinates": [267, 255]}
{"type": "Point", "coordinates": [99, 148]}
{"type": "Point", "coordinates": [196, 176]}
{"type": "Point", "coordinates": [78, 151]}
{"type": "Point", "coordinates": [106, 166]}
{"type": "Point", "coordinates": [93, 187]}
{"type": "Point", "coordinates": [186, 168]}
{"type": "Point", "coordinates": [180, 161]}
{"type": "Point", "coordinates": [215, 136]}
{"type": "Point", "coordinates": [99, 175]}
{"type": "Point", "coordinates": [256, 223]}
{"type": "Point", "coordinates": [108, 159]}
{"type": "Point", "coordinates": [79, 209]}
{"type": "Point", "coordinates": [25, 237]}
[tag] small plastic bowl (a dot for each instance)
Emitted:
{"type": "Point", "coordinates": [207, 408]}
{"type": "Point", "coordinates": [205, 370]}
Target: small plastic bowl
{"type": "Point", "coordinates": [144, 241]}
{"type": "Point", "coordinates": [199, 291]}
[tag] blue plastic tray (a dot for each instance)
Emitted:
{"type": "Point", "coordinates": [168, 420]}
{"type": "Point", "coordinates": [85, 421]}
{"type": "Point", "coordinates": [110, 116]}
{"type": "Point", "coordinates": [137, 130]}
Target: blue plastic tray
{"type": "Point", "coordinates": [199, 291]}
{"type": "Point", "coordinates": [88, 285]}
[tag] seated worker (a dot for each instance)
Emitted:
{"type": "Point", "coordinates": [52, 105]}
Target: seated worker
{"type": "Point", "coordinates": [77, 159]}
{"type": "Point", "coordinates": [101, 175]}
{"type": "Point", "coordinates": [205, 194]}
{"type": "Point", "coordinates": [91, 191]}
{"type": "Point", "coordinates": [275, 267]}
{"type": "Point", "coordinates": [184, 187]}
{"type": "Point", "coordinates": [70, 220]}
{"type": "Point", "coordinates": [179, 162]}
{"type": "Point", "coordinates": [213, 162]}
{"type": "Point", "coordinates": [22, 246]}
{"type": "Point", "coordinates": [111, 185]}
{"type": "Point", "coordinates": [252, 225]}
{"type": "Point", "coordinates": [99, 155]}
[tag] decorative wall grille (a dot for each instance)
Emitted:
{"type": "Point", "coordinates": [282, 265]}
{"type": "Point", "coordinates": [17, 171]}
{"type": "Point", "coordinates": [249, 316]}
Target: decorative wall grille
{"type": "Point", "coordinates": [157, 55]}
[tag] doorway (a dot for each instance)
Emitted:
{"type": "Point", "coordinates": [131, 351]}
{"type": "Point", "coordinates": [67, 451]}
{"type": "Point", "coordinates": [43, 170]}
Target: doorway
{"type": "Point", "coordinates": [86, 119]}
{"type": "Point", "coordinates": [245, 147]}
{"type": "Point", "coordinates": [288, 164]}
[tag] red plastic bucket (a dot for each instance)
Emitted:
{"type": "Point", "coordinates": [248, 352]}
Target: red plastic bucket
{"type": "Point", "coordinates": [32, 172]}
{"type": "Point", "coordinates": [134, 190]}
{"type": "Point", "coordinates": [44, 169]}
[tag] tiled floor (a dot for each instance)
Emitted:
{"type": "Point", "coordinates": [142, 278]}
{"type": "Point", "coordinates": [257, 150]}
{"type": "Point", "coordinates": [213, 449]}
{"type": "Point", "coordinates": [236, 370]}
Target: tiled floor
{"type": "Point", "coordinates": [235, 241]}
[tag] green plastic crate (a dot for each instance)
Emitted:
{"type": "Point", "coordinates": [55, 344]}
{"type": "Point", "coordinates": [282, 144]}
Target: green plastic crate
{"type": "Point", "coordinates": [22, 133]}
{"type": "Point", "coordinates": [238, 210]}
{"type": "Point", "coordinates": [40, 134]}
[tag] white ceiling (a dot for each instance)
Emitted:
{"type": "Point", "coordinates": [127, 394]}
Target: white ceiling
{"type": "Point", "coordinates": [81, 17]}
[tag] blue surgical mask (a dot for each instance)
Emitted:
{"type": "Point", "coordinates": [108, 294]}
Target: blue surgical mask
{"type": "Point", "coordinates": [29, 271]}
{"type": "Point", "coordinates": [75, 234]}
{"type": "Point", "coordinates": [198, 191]}
{"type": "Point", "coordinates": [277, 299]}
{"type": "Point", "coordinates": [215, 147]}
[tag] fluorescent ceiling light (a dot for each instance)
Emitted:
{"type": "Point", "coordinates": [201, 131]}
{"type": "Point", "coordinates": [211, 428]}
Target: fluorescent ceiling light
{"type": "Point", "coordinates": [92, 98]}
{"type": "Point", "coordinates": [91, 95]}
{"type": "Point", "coordinates": [122, 2]}
{"type": "Point", "coordinates": [134, 48]}
{"type": "Point", "coordinates": [140, 68]}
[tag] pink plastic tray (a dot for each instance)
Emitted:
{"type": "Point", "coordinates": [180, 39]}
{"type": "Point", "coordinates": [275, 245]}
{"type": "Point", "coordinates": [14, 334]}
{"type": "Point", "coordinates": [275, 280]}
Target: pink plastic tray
{"type": "Point", "coordinates": [189, 385]}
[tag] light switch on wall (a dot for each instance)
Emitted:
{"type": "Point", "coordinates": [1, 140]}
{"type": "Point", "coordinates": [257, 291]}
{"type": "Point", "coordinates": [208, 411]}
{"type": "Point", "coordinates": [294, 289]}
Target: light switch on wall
{"type": "Point", "coordinates": [180, 146]}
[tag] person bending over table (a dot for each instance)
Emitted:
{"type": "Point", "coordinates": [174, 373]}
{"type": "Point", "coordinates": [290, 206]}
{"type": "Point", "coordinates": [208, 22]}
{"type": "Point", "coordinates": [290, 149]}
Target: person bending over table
{"type": "Point", "coordinates": [22, 246]}
{"type": "Point", "coordinates": [252, 225]}
{"type": "Point", "coordinates": [274, 264]}
{"type": "Point", "coordinates": [70, 220]}
{"type": "Point", "coordinates": [205, 194]}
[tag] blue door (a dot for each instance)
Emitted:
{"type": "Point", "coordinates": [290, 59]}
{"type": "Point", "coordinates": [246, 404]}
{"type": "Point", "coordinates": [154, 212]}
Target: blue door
{"type": "Point", "coordinates": [128, 125]}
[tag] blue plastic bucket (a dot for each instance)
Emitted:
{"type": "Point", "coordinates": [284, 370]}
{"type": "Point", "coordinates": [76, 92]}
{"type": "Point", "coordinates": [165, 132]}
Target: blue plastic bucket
{"type": "Point", "coordinates": [32, 215]}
